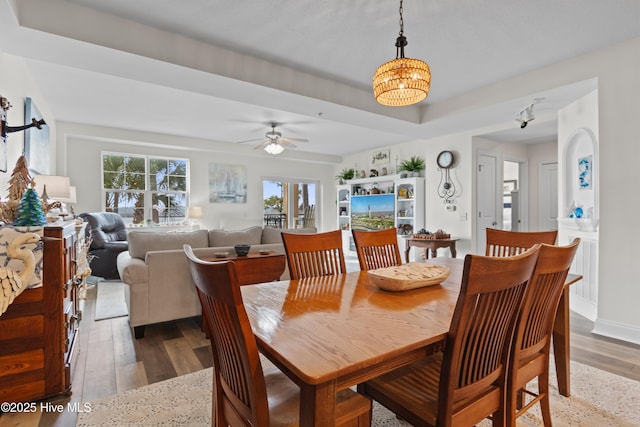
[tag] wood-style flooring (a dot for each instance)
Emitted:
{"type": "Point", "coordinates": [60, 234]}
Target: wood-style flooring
{"type": "Point", "coordinates": [111, 361]}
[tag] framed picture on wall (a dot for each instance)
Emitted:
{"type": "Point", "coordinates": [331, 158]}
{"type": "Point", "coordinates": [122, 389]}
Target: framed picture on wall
{"type": "Point", "coordinates": [36, 141]}
{"type": "Point", "coordinates": [227, 183]}
{"type": "Point", "coordinates": [585, 165]}
{"type": "Point", "coordinates": [381, 157]}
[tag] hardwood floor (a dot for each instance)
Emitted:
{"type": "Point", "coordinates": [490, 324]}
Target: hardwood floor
{"type": "Point", "coordinates": [111, 361]}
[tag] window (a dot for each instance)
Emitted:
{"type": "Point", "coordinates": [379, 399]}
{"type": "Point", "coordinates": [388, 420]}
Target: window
{"type": "Point", "coordinates": [289, 204]}
{"type": "Point", "coordinates": [144, 188]}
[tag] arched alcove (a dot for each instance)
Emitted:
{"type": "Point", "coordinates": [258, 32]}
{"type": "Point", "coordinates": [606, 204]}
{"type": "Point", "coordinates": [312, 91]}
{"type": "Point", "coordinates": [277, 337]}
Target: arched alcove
{"type": "Point", "coordinates": [579, 185]}
{"type": "Point", "coordinates": [581, 162]}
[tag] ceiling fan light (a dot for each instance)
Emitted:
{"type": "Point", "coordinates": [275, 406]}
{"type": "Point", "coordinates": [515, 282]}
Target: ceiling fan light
{"type": "Point", "coordinates": [274, 148]}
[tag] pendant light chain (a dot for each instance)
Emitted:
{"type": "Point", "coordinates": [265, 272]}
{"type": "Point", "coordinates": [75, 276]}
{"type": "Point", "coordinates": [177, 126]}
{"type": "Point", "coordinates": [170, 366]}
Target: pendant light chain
{"type": "Point", "coordinates": [401, 20]}
{"type": "Point", "coordinates": [401, 41]}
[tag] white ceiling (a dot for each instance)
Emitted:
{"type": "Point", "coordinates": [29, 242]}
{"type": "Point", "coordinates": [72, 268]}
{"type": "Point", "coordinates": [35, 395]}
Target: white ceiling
{"type": "Point", "coordinates": [222, 70]}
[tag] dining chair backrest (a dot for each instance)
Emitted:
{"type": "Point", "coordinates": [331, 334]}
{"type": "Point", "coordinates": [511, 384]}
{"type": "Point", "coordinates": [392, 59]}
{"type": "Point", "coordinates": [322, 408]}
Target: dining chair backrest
{"type": "Point", "coordinates": [312, 255]}
{"type": "Point", "coordinates": [475, 360]}
{"type": "Point", "coordinates": [239, 387]}
{"type": "Point", "coordinates": [501, 243]}
{"type": "Point", "coordinates": [532, 342]}
{"type": "Point", "coordinates": [377, 249]}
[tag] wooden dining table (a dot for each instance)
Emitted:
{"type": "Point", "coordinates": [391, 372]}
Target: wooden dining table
{"type": "Point", "coordinates": [333, 332]}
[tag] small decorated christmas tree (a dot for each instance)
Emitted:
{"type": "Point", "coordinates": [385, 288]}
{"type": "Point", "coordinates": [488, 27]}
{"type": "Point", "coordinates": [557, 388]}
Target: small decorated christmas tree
{"type": "Point", "coordinates": [30, 211]}
{"type": "Point", "coordinates": [18, 183]}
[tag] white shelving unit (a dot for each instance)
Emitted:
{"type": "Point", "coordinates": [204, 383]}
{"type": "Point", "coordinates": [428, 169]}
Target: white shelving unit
{"type": "Point", "coordinates": [380, 202]}
{"type": "Point", "coordinates": [409, 205]}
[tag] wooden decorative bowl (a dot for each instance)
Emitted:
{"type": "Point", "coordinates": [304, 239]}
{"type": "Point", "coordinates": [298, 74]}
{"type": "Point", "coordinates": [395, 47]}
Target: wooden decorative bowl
{"type": "Point", "coordinates": [408, 276]}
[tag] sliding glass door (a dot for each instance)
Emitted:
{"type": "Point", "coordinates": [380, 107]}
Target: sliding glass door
{"type": "Point", "coordinates": [290, 203]}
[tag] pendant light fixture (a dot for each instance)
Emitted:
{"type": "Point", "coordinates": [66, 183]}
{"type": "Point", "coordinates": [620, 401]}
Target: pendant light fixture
{"type": "Point", "coordinates": [402, 81]}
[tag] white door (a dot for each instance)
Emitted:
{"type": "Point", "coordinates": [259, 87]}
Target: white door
{"type": "Point", "coordinates": [548, 196]}
{"type": "Point", "coordinates": [487, 199]}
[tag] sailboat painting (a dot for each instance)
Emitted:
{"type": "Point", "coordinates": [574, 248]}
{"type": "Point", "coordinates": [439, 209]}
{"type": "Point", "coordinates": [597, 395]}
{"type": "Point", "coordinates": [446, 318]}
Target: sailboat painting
{"type": "Point", "coordinates": [227, 183]}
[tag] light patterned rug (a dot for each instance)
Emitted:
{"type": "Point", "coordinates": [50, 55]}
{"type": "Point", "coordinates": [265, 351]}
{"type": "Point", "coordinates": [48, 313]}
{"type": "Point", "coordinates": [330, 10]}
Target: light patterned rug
{"type": "Point", "coordinates": [110, 301]}
{"type": "Point", "coordinates": [598, 399]}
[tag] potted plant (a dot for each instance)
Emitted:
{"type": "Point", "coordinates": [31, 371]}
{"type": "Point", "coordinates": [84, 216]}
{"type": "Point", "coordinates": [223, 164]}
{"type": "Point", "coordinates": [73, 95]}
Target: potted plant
{"type": "Point", "coordinates": [345, 174]}
{"type": "Point", "coordinates": [413, 166]}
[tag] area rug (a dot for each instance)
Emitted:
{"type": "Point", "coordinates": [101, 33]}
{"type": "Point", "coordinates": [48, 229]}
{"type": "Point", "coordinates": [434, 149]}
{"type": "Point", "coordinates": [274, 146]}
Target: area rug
{"type": "Point", "coordinates": [110, 301]}
{"type": "Point", "coordinates": [599, 399]}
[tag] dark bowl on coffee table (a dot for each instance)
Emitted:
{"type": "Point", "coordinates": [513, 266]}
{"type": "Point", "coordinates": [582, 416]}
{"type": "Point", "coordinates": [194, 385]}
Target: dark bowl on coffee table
{"type": "Point", "coordinates": [242, 250]}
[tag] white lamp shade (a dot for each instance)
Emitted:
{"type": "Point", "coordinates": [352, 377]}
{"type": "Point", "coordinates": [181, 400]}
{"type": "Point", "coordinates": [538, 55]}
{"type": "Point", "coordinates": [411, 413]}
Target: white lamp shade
{"type": "Point", "coordinates": [195, 212]}
{"type": "Point", "coordinates": [72, 197]}
{"type": "Point", "coordinates": [58, 187]}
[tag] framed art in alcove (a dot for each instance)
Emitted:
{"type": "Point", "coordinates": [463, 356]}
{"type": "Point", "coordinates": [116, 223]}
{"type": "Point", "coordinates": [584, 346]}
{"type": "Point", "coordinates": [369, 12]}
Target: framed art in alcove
{"type": "Point", "coordinates": [36, 141]}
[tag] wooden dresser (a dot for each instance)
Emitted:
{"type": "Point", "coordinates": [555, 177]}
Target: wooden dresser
{"type": "Point", "coordinates": [38, 344]}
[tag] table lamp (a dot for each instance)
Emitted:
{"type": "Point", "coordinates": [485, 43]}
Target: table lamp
{"type": "Point", "coordinates": [195, 213]}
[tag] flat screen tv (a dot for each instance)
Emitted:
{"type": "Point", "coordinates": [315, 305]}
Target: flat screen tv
{"type": "Point", "coordinates": [372, 212]}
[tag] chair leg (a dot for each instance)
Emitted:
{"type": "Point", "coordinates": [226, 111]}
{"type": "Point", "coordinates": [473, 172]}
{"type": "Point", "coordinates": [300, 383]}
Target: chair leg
{"type": "Point", "coordinates": [499, 418]}
{"type": "Point", "coordinates": [510, 411]}
{"type": "Point", "coordinates": [543, 392]}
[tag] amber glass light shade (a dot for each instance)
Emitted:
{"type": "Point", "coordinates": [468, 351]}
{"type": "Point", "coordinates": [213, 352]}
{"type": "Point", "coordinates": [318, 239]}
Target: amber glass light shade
{"type": "Point", "coordinates": [401, 82]}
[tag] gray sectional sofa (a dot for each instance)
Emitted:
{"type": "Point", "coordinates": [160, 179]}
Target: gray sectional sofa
{"type": "Point", "coordinates": [155, 269]}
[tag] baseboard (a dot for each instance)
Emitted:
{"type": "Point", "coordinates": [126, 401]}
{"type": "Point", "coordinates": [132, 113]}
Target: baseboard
{"type": "Point", "coordinates": [617, 330]}
{"type": "Point", "coordinates": [583, 307]}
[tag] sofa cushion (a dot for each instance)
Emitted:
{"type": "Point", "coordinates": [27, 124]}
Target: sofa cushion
{"type": "Point", "coordinates": [141, 242]}
{"type": "Point", "coordinates": [274, 235]}
{"type": "Point", "coordinates": [249, 236]}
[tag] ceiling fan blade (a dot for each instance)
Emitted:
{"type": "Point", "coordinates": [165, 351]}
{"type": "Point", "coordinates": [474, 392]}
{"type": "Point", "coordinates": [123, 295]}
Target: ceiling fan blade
{"type": "Point", "coordinates": [263, 144]}
{"type": "Point", "coordinates": [288, 139]}
{"type": "Point", "coordinates": [249, 140]}
{"type": "Point", "coordinates": [287, 144]}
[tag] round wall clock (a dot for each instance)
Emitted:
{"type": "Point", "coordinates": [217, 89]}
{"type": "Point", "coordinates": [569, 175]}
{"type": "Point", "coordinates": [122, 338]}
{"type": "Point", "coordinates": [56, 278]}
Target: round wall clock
{"type": "Point", "coordinates": [445, 159]}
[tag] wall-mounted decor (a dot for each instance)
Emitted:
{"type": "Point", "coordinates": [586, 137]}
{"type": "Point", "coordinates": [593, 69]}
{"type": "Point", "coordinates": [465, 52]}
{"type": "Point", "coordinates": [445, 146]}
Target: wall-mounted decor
{"type": "Point", "coordinates": [36, 140]}
{"type": "Point", "coordinates": [584, 172]}
{"type": "Point", "coordinates": [382, 157]}
{"type": "Point", "coordinates": [6, 129]}
{"type": "Point", "coordinates": [446, 187]}
{"type": "Point", "coordinates": [227, 183]}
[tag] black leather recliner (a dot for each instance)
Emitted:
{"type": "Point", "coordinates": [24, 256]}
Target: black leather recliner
{"type": "Point", "coordinates": [108, 234]}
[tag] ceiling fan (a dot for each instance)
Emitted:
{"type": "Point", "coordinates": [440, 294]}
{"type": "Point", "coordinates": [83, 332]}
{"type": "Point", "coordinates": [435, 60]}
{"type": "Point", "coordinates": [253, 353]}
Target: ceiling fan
{"type": "Point", "coordinates": [273, 141]}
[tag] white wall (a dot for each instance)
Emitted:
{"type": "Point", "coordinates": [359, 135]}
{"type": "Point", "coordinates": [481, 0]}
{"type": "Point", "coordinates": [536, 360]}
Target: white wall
{"type": "Point", "coordinates": [16, 84]}
{"type": "Point", "coordinates": [80, 156]}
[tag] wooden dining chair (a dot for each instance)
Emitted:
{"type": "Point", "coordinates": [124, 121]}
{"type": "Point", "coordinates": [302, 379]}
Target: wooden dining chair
{"type": "Point", "coordinates": [313, 255]}
{"type": "Point", "coordinates": [466, 382]}
{"type": "Point", "coordinates": [531, 346]}
{"type": "Point", "coordinates": [246, 393]}
{"type": "Point", "coordinates": [377, 249]}
{"type": "Point", "coordinates": [508, 243]}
